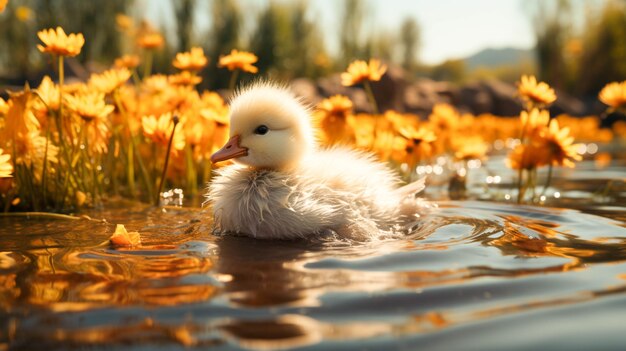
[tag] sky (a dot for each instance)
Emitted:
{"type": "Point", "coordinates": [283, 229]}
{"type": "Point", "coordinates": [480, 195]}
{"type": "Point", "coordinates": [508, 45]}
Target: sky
{"type": "Point", "coordinates": [449, 28]}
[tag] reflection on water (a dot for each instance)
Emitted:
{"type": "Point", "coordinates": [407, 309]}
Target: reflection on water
{"type": "Point", "coordinates": [471, 275]}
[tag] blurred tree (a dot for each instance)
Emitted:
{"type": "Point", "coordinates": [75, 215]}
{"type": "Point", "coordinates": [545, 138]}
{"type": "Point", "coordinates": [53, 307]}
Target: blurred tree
{"type": "Point", "coordinates": [603, 49]}
{"type": "Point", "coordinates": [94, 18]}
{"type": "Point", "coordinates": [18, 40]}
{"type": "Point", "coordinates": [307, 42]}
{"type": "Point", "coordinates": [450, 70]}
{"type": "Point", "coordinates": [226, 22]}
{"type": "Point", "coordinates": [350, 40]}
{"type": "Point", "coordinates": [381, 45]}
{"type": "Point", "coordinates": [272, 41]}
{"type": "Point", "coordinates": [409, 44]}
{"type": "Point", "coordinates": [552, 22]}
{"type": "Point", "coordinates": [184, 12]}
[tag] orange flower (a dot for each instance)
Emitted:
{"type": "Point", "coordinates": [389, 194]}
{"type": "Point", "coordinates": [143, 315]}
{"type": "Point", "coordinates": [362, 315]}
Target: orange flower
{"type": "Point", "coordinates": [89, 106]}
{"type": "Point", "coordinates": [107, 81]}
{"type": "Point", "coordinates": [470, 148]}
{"type": "Point", "coordinates": [23, 13]}
{"type": "Point", "coordinates": [184, 78]}
{"type": "Point", "coordinates": [127, 61]}
{"type": "Point", "coordinates": [535, 94]}
{"type": "Point", "coordinates": [6, 168]}
{"type": "Point", "coordinates": [124, 22]}
{"type": "Point", "coordinates": [413, 145]}
{"type": "Point", "coordinates": [241, 60]}
{"type": "Point", "coordinates": [614, 95]}
{"type": "Point", "coordinates": [534, 121]}
{"type": "Point", "coordinates": [336, 106]}
{"type": "Point", "coordinates": [557, 146]}
{"type": "Point", "coordinates": [151, 41]}
{"type": "Point", "coordinates": [333, 114]}
{"type": "Point", "coordinates": [3, 5]}
{"type": "Point", "coordinates": [193, 60]}
{"type": "Point", "coordinates": [4, 107]}
{"type": "Point", "coordinates": [524, 157]}
{"type": "Point", "coordinates": [160, 129]}
{"type": "Point", "coordinates": [359, 71]}
{"type": "Point", "coordinates": [156, 83]}
{"type": "Point", "coordinates": [19, 118]}
{"type": "Point", "coordinates": [30, 150]}
{"type": "Point", "coordinates": [59, 43]}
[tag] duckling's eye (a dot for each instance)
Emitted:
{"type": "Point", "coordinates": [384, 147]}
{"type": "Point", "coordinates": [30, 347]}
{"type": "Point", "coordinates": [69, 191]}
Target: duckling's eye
{"type": "Point", "coordinates": [261, 130]}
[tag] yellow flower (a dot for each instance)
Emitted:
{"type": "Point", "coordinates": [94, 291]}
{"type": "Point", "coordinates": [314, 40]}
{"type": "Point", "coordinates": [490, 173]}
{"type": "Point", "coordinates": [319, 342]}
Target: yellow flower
{"type": "Point", "coordinates": [193, 60]}
{"type": "Point", "coordinates": [210, 99]}
{"type": "Point", "coordinates": [359, 71]}
{"type": "Point", "coordinates": [399, 120]}
{"type": "Point", "coordinates": [3, 5]}
{"type": "Point", "coordinates": [124, 22]}
{"type": "Point", "coordinates": [524, 157]}
{"type": "Point", "coordinates": [127, 61]}
{"type": "Point", "coordinates": [4, 107]}
{"type": "Point", "coordinates": [156, 83]}
{"type": "Point", "coordinates": [30, 150]}
{"type": "Point", "coordinates": [184, 78]}
{"type": "Point", "coordinates": [470, 148]}
{"type": "Point", "coordinates": [535, 94]}
{"type": "Point", "coordinates": [534, 121]}
{"type": "Point", "coordinates": [557, 146]}
{"type": "Point", "coordinates": [444, 117]}
{"type": "Point", "coordinates": [23, 13]}
{"type": "Point", "coordinates": [49, 93]}
{"type": "Point", "coordinates": [107, 81]}
{"type": "Point", "coordinates": [151, 41]}
{"type": "Point", "coordinates": [413, 145]}
{"type": "Point", "coordinates": [89, 106]}
{"type": "Point", "coordinates": [336, 106]}
{"type": "Point", "coordinates": [6, 168]}
{"type": "Point", "coordinates": [160, 129]}
{"type": "Point", "coordinates": [241, 60]}
{"type": "Point", "coordinates": [19, 118]}
{"type": "Point", "coordinates": [59, 43]}
{"type": "Point", "coordinates": [614, 95]}
{"type": "Point", "coordinates": [333, 114]}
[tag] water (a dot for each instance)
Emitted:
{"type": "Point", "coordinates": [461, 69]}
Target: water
{"type": "Point", "coordinates": [472, 275]}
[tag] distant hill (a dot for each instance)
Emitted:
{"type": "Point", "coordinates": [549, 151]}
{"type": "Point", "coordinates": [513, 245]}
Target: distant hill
{"type": "Point", "coordinates": [499, 57]}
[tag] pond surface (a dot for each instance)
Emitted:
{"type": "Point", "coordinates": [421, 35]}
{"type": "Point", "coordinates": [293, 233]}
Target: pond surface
{"type": "Point", "coordinates": [472, 275]}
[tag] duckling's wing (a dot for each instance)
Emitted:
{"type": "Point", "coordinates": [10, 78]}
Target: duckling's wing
{"type": "Point", "coordinates": [412, 189]}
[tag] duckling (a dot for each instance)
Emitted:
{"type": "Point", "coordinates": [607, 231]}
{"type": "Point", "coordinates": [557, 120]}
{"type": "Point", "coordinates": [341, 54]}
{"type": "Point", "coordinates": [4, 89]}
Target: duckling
{"type": "Point", "coordinates": [282, 185]}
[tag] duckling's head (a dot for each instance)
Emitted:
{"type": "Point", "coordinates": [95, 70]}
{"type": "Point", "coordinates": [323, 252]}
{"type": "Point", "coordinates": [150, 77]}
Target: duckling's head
{"type": "Point", "coordinates": [269, 128]}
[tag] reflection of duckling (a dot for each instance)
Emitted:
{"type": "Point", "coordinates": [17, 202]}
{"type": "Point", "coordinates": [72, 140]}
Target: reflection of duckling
{"type": "Point", "coordinates": [282, 186]}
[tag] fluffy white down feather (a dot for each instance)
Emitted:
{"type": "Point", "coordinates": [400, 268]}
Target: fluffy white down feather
{"type": "Point", "coordinates": [337, 190]}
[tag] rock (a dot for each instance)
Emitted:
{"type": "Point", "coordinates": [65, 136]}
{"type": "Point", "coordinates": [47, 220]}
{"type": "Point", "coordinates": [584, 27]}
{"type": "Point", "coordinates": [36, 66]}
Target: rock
{"type": "Point", "coordinates": [389, 91]}
{"type": "Point", "coordinates": [475, 99]}
{"type": "Point", "coordinates": [568, 104]}
{"type": "Point", "coordinates": [503, 96]}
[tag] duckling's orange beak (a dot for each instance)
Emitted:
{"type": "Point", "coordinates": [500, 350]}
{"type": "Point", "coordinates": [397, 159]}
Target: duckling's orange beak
{"type": "Point", "coordinates": [230, 150]}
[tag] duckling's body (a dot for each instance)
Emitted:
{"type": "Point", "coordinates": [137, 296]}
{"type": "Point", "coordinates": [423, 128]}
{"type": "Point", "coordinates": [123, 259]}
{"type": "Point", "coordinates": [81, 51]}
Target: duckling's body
{"type": "Point", "coordinates": [316, 192]}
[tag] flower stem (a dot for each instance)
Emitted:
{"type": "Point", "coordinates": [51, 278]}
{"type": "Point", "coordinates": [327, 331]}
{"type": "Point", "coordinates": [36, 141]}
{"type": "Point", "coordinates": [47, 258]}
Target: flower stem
{"type": "Point", "coordinates": [370, 96]}
{"type": "Point", "coordinates": [45, 165]}
{"type": "Point", "coordinates": [167, 159]}
{"type": "Point", "coordinates": [147, 68]}
{"type": "Point", "coordinates": [233, 81]}
{"type": "Point", "coordinates": [61, 81]}
{"type": "Point", "coordinates": [192, 175]}
{"type": "Point", "coordinates": [550, 169]}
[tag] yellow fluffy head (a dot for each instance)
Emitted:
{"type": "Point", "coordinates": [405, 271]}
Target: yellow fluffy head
{"type": "Point", "coordinates": [272, 124]}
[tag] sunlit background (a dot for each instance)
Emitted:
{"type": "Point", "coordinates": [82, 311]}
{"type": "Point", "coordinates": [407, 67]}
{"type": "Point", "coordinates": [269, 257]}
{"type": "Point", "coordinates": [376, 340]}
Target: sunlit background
{"type": "Point", "coordinates": [450, 40]}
